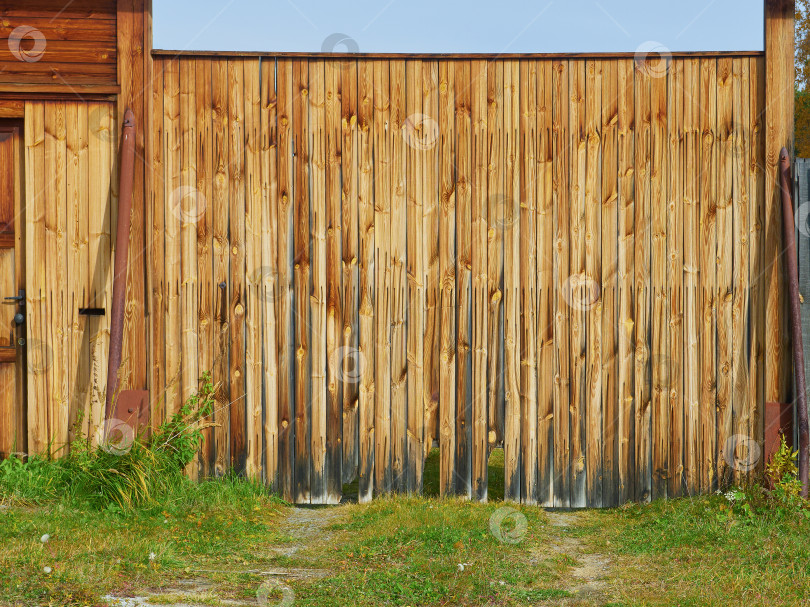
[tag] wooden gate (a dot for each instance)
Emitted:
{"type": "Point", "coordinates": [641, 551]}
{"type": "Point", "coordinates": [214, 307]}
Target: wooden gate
{"type": "Point", "coordinates": [560, 256]}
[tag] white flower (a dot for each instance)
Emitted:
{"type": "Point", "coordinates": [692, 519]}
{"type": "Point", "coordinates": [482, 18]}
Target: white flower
{"type": "Point", "coordinates": [47, 569]}
{"type": "Point", "coordinates": [730, 496]}
{"type": "Point", "coordinates": [152, 556]}
{"type": "Point", "coordinates": [461, 566]}
{"type": "Point", "coordinates": [44, 539]}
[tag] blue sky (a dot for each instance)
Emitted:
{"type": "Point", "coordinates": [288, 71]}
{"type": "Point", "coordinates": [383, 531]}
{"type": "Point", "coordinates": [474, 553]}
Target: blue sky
{"type": "Point", "coordinates": [434, 26]}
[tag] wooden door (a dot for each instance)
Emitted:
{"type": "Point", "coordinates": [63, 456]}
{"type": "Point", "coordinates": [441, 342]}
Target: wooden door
{"type": "Point", "coordinates": [12, 280]}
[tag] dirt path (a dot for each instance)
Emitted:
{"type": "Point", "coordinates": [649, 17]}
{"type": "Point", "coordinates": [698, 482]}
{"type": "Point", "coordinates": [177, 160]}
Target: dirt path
{"type": "Point", "coordinates": [307, 527]}
{"type": "Point", "coordinates": [588, 577]}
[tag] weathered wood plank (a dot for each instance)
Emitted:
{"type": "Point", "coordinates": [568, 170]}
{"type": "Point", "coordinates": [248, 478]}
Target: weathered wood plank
{"type": "Point", "coordinates": [480, 288]}
{"type": "Point", "coordinates": [382, 268]}
{"type": "Point", "coordinates": [302, 283]}
{"type": "Point", "coordinates": [416, 151]}
{"type": "Point", "coordinates": [318, 206]}
{"type": "Point", "coordinates": [399, 285]}
{"type": "Point", "coordinates": [659, 152]}
{"type": "Point", "coordinates": [528, 280]}
{"type": "Point", "coordinates": [610, 333]}
{"type": "Point", "coordinates": [626, 269]}
{"type": "Point", "coordinates": [511, 281]}
{"type": "Point", "coordinates": [447, 273]}
{"type": "Point", "coordinates": [285, 252]}
{"type": "Point", "coordinates": [352, 364]}
{"type": "Point", "coordinates": [578, 287]}
{"type": "Point", "coordinates": [675, 95]}
{"type": "Point", "coordinates": [545, 285]}
{"type": "Point", "coordinates": [708, 272]}
{"type": "Point", "coordinates": [593, 281]}
{"type": "Point", "coordinates": [464, 396]}
{"type": "Point", "coordinates": [334, 285]}
{"type": "Point", "coordinates": [725, 267]}
{"type": "Point", "coordinates": [562, 494]}
{"type": "Point", "coordinates": [366, 356]}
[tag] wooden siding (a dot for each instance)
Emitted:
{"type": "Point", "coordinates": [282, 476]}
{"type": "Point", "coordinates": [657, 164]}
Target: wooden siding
{"type": "Point", "coordinates": [464, 254]}
{"type": "Point", "coordinates": [69, 47]}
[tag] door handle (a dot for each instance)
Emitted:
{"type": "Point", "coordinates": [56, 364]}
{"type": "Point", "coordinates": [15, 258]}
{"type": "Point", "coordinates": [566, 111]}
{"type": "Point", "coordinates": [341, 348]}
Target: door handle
{"type": "Point", "coordinates": [20, 298]}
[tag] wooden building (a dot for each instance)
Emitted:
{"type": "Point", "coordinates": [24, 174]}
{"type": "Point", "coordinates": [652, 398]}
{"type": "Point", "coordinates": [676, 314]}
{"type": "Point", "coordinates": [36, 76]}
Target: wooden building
{"type": "Point", "coordinates": [576, 257]}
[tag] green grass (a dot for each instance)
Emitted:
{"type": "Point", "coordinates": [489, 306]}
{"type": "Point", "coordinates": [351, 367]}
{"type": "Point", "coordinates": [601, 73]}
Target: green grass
{"type": "Point", "coordinates": [226, 535]}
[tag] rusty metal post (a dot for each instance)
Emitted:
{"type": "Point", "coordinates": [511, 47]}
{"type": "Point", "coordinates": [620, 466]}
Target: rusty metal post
{"type": "Point", "coordinates": [121, 257]}
{"type": "Point", "coordinates": [792, 268]}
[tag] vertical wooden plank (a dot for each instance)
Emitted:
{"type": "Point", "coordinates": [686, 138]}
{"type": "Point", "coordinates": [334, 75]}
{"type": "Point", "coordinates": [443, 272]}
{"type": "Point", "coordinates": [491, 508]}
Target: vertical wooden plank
{"type": "Point", "coordinates": [236, 240]}
{"type": "Point", "coordinates": [205, 233]}
{"type": "Point", "coordinates": [756, 373]}
{"type": "Point", "coordinates": [35, 260]}
{"type": "Point", "coordinates": [253, 268]}
{"type": "Point", "coordinates": [779, 92]}
{"type": "Point", "coordinates": [464, 395]}
{"type": "Point", "coordinates": [643, 308]}
{"type": "Point", "coordinates": [610, 333]}
{"type": "Point", "coordinates": [675, 276]}
{"type": "Point", "coordinates": [77, 264]}
{"type": "Point", "coordinates": [626, 269]}
{"type": "Point", "coordinates": [269, 289]}
{"type": "Point", "coordinates": [496, 204]}
{"type": "Point", "coordinates": [318, 293]}
{"type": "Point", "coordinates": [511, 281]}
{"type": "Point", "coordinates": [660, 312]}
{"type": "Point", "coordinates": [430, 210]}
{"type": "Point", "coordinates": [561, 102]}
{"type": "Point", "coordinates": [480, 287]}
{"type": "Point", "coordinates": [55, 267]}
{"type": "Point", "coordinates": [382, 268]}
{"type": "Point", "coordinates": [691, 274]}
{"type": "Point", "coordinates": [417, 142]}
{"type": "Point", "coordinates": [187, 203]}
{"type": "Point", "coordinates": [740, 330]}
{"type": "Point", "coordinates": [334, 293]}
{"type": "Point", "coordinates": [285, 251]}
{"type": "Point", "coordinates": [157, 266]}
{"type": "Point", "coordinates": [447, 272]}
{"type": "Point", "coordinates": [172, 189]}
{"type": "Point", "coordinates": [545, 285]}
{"type": "Point", "coordinates": [366, 410]}
{"type": "Point", "coordinates": [399, 286]}
{"type": "Point", "coordinates": [725, 252]}
{"type": "Point", "coordinates": [221, 257]}
{"type": "Point", "coordinates": [352, 364]}
{"type": "Point", "coordinates": [593, 281]}
{"type": "Point", "coordinates": [302, 283]}
{"type": "Point", "coordinates": [577, 286]}
{"type": "Point", "coordinates": [708, 272]}
{"type": "Point", "coordinates": [528, 280]}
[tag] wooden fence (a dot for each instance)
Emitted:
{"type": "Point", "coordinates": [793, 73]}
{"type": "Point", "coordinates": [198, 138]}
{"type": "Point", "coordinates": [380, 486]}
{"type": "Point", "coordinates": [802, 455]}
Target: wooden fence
{"type": "Point", "coordinates": [561, 256]}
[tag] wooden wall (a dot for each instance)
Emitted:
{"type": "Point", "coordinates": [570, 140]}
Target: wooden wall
{"type": "Point", "coordinates": [70, 199]}
{"type": "Point", "coordinates": [563, 256]}
{"type": "Point", "coordinates": [49, 46]}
